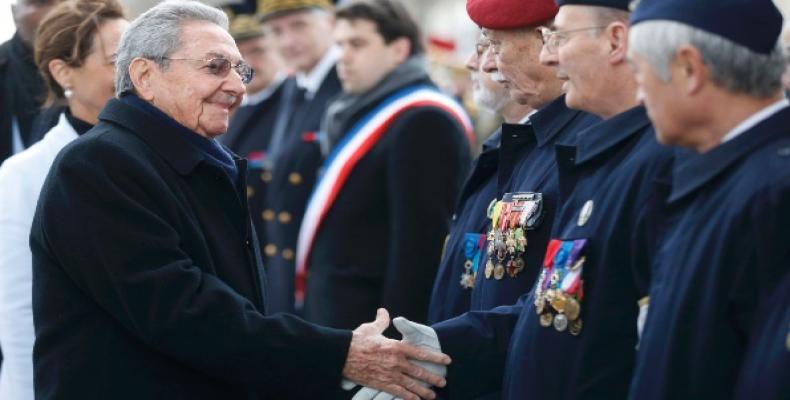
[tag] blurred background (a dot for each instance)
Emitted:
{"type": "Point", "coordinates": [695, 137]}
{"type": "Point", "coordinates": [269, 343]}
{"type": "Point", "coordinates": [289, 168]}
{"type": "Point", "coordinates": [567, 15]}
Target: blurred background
{"type": "Point", "coordinates": [446, 27]}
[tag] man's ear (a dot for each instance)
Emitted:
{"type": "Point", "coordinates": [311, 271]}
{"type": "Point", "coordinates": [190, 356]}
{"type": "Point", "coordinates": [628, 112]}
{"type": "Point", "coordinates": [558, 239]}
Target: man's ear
{"type": "Point", "coordinates": [402, 48]}
{"type": "Point", "coordinates": [142, 73]}
{"type": "Point", "coordinates": [617, 33]}
{"type": "Point", "coordinates": [689, 66]}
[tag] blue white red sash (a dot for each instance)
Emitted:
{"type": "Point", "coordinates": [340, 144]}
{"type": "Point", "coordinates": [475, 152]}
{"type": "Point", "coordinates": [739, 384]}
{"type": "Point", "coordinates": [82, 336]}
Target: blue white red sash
{"type": "Point", "coordinates": [347, 153]}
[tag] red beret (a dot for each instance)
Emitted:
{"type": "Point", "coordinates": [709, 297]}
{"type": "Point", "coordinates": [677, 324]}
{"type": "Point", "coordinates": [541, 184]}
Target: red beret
{"type": "Point", "coordinates": [510, 14]}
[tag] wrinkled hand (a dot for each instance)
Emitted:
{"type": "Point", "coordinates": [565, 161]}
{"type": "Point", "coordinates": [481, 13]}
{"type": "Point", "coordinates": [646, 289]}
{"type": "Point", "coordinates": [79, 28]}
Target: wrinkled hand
{"type": "Point", "coordinates": [384, 364]}
{"type": "Point", "coordinates": [417, 335]}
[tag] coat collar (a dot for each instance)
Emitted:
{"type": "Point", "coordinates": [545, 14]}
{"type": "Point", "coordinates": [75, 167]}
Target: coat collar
{"type": "Point", "coordinates": [160, 135]}
{"type": "Point", "coordinates": [551, 119]}
{"type": "Point", "coordinates": [693, 171]}
{"type": "Point", "coordinates": [599, 138]}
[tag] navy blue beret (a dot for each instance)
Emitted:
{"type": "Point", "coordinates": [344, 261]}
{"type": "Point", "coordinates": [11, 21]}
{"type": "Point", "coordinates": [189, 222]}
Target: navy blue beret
{"type": "Point", "coordinates": [619, 4]}
{"type": "Point", "coordinates": [755, 24]}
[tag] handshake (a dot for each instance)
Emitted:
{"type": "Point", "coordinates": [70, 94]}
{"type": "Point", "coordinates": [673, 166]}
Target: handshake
{"type": "Point", "coordinates": [389, 368]}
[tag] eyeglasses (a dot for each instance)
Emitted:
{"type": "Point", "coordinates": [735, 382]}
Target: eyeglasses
{"type": "Point", "coordinates": [221, 67]}
{"type": "Point", "coordinates": [553, 40]}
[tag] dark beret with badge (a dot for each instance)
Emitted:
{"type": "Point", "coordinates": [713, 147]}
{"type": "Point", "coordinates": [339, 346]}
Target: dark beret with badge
{"type": "Point", "coordinates": [618, 4]}
{"type": "Point", "coordinates": [754, 24]}
{"type": "Point", "coordinates": [273, 8]}
{"type": "Point", "coordinates": [510, 14]}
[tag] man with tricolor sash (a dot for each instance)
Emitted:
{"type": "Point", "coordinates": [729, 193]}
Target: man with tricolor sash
{"type": "Point", "coordinates": [397, 152]}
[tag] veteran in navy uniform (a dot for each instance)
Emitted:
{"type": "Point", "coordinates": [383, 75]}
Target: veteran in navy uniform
{"type": "Point", "coordinates": [302, 32]}
{"type": "Point", "coordinates": [574, 335]}
{"type": "Point", "coordinates": [398, 153]}
{"type": "Point", "coordinates": [252, 125]}
{"type": "Point", "coordinates": [710, 75]}
{"type": "Point", "coordinates": [520, 221]}
{"type": "Point", "coordinates": [464, 246]}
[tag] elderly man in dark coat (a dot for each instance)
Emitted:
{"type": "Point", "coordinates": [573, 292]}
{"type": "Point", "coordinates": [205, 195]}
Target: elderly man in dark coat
{"type": "Point", "coordinates": [147, 282]}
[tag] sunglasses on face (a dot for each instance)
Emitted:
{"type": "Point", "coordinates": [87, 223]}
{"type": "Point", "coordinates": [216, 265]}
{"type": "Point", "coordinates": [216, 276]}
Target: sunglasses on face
{"type": "Point", "coordinates": [220, 67]}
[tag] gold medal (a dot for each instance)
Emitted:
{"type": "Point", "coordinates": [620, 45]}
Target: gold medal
{"type": "Point", "coordinates": [575, 327]}
{"type": "Point", "coordinates": [559, 301]}
{"type": "Point", "coordinates": [546, 319]}
{"type": "Point", "coordinates": [489, 269]}
{"type": "Point", "coordinates": [572, 309]}
{"type": "Point", "coordinates": [499, 272]}
{"type": "Point", "coordinates": [560, 322]}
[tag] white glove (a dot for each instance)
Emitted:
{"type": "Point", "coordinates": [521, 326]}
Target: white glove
{"type": "Point", "coordinates": [417, 335]}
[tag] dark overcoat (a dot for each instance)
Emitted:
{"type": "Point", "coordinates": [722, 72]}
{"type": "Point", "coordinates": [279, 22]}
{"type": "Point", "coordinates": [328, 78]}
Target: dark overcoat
{"type": "Point", "coordinates": [290, 183]}
{"type": "Point", "coordinates": [379, 244]}
{"type": "Point", "coordinates": [725, 252]}
{"type": "Point", "coordinates": [147, 283]}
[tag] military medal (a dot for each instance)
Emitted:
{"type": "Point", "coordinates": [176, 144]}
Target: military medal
{"type": "Point", "coordinates": [473, 246]}
{"type": "Point", "coordinates": [499, 272]}
{"type": "Point", "coordinates": [575, 327]}
{"type": "Point", "coordinates": [558, 292]}
{"type": "Point", "coordinates": [489, 269]}
{"type": "Point", "coordinates": [546, 319]}
{"type": "Point", "coordinates": [560, 322]}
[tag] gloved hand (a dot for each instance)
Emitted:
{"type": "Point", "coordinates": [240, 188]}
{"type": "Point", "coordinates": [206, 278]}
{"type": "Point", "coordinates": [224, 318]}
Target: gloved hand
{"type": "Point", "coordinates": [417, 335]}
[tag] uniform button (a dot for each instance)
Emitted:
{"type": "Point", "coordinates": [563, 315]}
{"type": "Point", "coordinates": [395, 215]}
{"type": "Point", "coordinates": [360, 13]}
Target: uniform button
{"type": "Point", "coordinates": [247, 242]}
{"type": "Point", "coordinates": [266, 176]}
{"type": "Point", "coordinates": [267, 215]}
{"type": "Point", "coordinates": [783, 152]}
{"type": "Point", "coordinates": [295, 178]}
{"type": "Point", "coordinates": [288, 254]}
{"type": "Point", "coordinates": [270, 250]}
{"type": "Point", "coordinates": [284, 217]}
{"type": "Point", "coordinates": [250, 191]}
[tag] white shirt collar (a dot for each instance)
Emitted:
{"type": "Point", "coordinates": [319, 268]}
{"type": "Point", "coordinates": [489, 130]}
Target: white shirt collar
{"type": "Point", "coordinates": [525, 120]}
{"type": "Point", "coordinates": [755, 119]}
{"type": "Point", "coordinates": [311, 81]}
{"type": "Point", "coordinates": [252, 99]}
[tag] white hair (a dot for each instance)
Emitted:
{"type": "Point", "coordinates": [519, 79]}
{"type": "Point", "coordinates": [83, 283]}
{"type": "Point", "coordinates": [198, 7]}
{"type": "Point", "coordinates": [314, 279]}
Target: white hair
{"type": "Point", "coordinates": [492, 100]}
{"type": "Point", "coordinates": [733, 67]}
{"type": "Point", "coordinates": [155, 35]}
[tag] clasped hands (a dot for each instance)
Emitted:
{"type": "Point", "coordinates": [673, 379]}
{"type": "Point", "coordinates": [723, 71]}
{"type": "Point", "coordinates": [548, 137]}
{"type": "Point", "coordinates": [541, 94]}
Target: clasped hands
{"type": "Point", "coordinates": [389, 368]}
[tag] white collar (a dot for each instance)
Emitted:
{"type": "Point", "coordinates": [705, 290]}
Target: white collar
{"type": "Point", "coordinates": [311, 81]}
{"type": "Point", "coordinates": [755, 119]}
{"type": "Point", "coordinates": [525, 120]}
{"type": "Point", "coordinates": [252, 99]}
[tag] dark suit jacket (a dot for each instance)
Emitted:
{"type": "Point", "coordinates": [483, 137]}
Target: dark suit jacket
{"type": "Point", "coordinates": [380, 243]}
{"type": "Point", "coordinates": [147, 283]}
{"type": "Point", "coordinates": [290, 185]}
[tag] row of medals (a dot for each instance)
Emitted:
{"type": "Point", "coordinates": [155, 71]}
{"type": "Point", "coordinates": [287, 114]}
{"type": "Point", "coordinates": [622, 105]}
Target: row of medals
{"type": "Point", "coordinates": [508, 245]}
{"type": "Point", "coordinates": [557, 308]}
{"type": "Point", "coordinates": [507, 241]}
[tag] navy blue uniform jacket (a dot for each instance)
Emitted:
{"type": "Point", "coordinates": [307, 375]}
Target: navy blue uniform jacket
{"type": "Point", "coordinates": [529, 154]}
{"type": "Point", "coordinates": [147, 283]}
{"type": "Point", "coordinates": [724, 254]}
{"type": "Point", "coordinates": [449, 298]}
{"type": "Point", "coordinates": [290, 184]}
{"type": "Point", "coordinates": [614, 164]}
